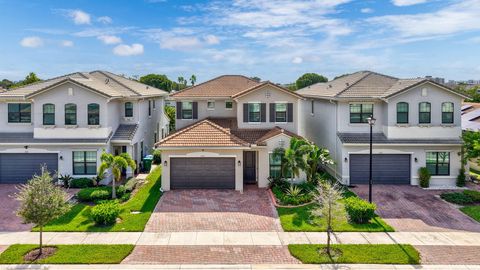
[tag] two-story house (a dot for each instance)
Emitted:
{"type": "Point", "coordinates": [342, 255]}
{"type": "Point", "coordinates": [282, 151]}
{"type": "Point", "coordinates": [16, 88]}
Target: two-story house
{"type": "Point", "coordinates": [418, 124]}
{"type": "Point", "coordinates": [227, 131]}
{"type": "Point", "coordinates": [66, 123]}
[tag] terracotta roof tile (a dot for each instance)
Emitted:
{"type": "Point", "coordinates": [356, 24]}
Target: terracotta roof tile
{"type": "Point", "coordinates": [223, 86]}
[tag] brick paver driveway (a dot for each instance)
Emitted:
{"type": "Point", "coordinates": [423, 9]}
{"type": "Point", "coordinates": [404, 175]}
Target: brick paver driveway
{"type": "Point", "coordinates": [410, 208]}
{"type": "Point", "coordinates": [214, 210]}
{"type": "Point", "coordinates": [8, 205]}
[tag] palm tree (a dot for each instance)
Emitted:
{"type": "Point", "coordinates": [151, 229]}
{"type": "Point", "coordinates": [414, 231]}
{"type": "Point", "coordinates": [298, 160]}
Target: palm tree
{"type": "Point", "coordinates": [116, 164]}
{"type": "Point", "coordinates": [193, 79]}
{"type": "Point", "coordinates": [294, 158]}
{"type": "Point", "coordinates": [315, 157]}
{"type": "Point", "coordinates": [182, 80]}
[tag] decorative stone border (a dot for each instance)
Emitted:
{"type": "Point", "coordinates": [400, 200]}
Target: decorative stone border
{"type": "Point", "coordinates": [274, 200]}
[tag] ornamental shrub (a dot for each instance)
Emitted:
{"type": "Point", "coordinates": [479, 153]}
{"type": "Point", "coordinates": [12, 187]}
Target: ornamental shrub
{"type": "Point", "coordinates": [95, 194]}
{"type": "Point", "coordinates": [81, 183]}
{"type": "Point", "coordinates": [461, 178]}
{"type": "Point", "coordinates": [457, 198]}
{"type": "Point", "coordinates": [131, 184]}
{"type": "Point", "coordinates": [424, 177]}
{"type": "Point", "coordinates": [106, 213]}
{"type": "Point", "coordinates": [473, 194]}
{"type": "Point", "coordinates": [359, 211]}
{"type": "Point", "coordinates": [157, 156]}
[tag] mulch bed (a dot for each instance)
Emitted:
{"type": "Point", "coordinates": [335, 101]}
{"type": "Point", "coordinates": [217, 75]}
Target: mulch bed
{"type": "Point", "coordinates": [33, 255]}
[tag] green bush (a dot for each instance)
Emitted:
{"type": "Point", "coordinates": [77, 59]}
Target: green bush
{"type": "Point", "coordinates": [157, 156]}
{"type": "Point", "coordinates": [286, 199]}
{"type": "Point", "coordinates": [424, 177]}
{"type": "Point", "coordinates": [125, 197]}
{"type": "Point", "coordinates": [95, 194]}
{"type": "Point", "coordinates": [461, 178]}
{"type": "Point", "coordinates": [106, 213]}
{"type": "Point", "coordinates": [131, 184]}
{"type": "Point", "coordinates": [359, 211]}
{"type": "Point", "coordinates": [457, 198]}
{"type": "Point", "coordinates": [81, 183]}
{"type": "Point", "coordinates": [473, 194]}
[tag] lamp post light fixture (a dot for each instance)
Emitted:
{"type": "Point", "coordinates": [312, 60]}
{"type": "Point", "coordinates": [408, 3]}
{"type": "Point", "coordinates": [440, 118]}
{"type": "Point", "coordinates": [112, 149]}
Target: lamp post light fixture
{"type": "Point", "coordinates": [371, 122]}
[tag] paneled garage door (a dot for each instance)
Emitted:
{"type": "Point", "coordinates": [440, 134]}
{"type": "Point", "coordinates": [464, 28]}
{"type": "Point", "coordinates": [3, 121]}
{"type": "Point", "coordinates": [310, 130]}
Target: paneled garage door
{"type": "Point", "coordinates": [18, 168]}
{"type": "Point", "coordinates": [387, 169]}
{"type": "Point", "coordinates": [202, 173]}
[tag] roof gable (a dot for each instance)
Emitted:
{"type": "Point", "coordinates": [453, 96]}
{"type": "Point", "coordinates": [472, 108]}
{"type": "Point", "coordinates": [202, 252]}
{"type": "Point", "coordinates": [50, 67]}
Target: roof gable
{"type": "Point", "coordinates": [222, 86]}
{"type": "Point", "coordinates": [263, 85]}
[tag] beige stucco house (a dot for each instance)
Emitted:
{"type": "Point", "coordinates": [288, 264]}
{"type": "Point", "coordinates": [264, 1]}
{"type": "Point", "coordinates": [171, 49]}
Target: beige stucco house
{"type": "Point", "coordinates": [227, 130]}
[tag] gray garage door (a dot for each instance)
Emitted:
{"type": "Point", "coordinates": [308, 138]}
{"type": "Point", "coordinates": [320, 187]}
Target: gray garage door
{"type": "Point", "coordinates": [202, 173]}
{"type": "Point", "coordinates": [18, 168]}
{"type": "Point", "coordinates": [387, 169]}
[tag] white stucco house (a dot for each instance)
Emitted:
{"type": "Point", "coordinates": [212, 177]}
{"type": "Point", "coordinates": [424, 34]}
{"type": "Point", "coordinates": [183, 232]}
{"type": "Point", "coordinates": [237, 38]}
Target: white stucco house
{"type": "Point", "coordinates": [66, 123]}
{"type": "Point", "coordinates": [418, 124]}
{"type": "Point", "coordinates": [227, 130]}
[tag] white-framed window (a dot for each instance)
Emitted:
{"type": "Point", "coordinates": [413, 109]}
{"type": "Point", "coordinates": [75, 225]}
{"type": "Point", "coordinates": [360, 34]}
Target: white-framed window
{"type": "Point", "coordinates": [19, 113]}
{"type": "Point", "coordinates": [84, 162]}
{"type": "Point", "coordinates": [254, 112]}
{"type": "Point", "coordinates": [280, 112]}
{"type": "Point", "coordinates": [228, 105]}
{"type": "Point", "coordinates": [360, 112]}
{"type": "Point", "coordinates": [211, 105]}
{"type": "Point", "coordinates": [187, 110]}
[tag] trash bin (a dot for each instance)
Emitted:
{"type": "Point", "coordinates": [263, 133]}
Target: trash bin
{"type": "Point", "coordinates": [147, 163]}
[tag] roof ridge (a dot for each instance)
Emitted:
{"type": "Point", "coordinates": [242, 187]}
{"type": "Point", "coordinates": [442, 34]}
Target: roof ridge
{"type": "Point", "coordinates": [213, 79]}
{"type": "Point", "coordinates": [355, 82]}
{"type": "Point", "coordinates": [109, 75]}
{"type": "Point", "coordinates": [47, 80]}
{"type": "Point", "coordinates": [266, 83]}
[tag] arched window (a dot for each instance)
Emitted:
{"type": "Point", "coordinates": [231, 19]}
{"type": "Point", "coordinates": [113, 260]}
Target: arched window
{"type": "Point", "coordinates": [402, 113]}
{"type": "Point", "coordinates": [93, 114]}
{"type": "Point", "coordinates": [447, 113]}
{"type": "Point", "coordinates": [128, 109]}
{"type": "Point", "coordinates": [70, 114]}
{"type": "Point", "coordinates": [424, 113]}
{"type": "Point", "coordinates": [48, 114]}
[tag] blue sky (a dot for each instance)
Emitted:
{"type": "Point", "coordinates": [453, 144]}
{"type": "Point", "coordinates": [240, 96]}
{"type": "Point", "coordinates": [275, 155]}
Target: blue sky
{"type": "Point", "coordinates": [276, 40]}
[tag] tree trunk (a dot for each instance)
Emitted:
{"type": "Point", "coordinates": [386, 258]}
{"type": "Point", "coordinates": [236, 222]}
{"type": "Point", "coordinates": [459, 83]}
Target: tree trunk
{"type": "Point", "coordinates": [41, 242]}
{"type": "Point", "coordinates": [329, 226]}
{"type": "Point", "coordinates": [114, 192]}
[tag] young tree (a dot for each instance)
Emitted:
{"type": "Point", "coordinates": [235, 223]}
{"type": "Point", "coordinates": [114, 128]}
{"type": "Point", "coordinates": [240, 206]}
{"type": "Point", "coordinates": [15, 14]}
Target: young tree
{"type": "Point", "coordinates": [116, 164]}
{"type": "Point", "coordinates": [158, 81]}
{"type": "Point", "coordinates": [170, 112]}
{"type": "Point", "coordinates": [193, 79]}
{"type": "Point", "coordinates": [41, 202]}
{"type": "Point", "coordinates": [293, 160]}
{"type": "Point", "coordinates": [308, 79]}
{"type": "Point", "coordinates": [329, 207]}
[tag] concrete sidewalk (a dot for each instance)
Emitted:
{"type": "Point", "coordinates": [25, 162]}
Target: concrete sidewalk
{"type": "Point", "coordinates": [242, 238]}
{"type": "Point", "coordinates": [247, 267]}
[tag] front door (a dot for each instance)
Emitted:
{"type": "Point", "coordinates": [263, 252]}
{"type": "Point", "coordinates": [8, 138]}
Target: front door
{"type": "Point", "coordinates": [249, 167]}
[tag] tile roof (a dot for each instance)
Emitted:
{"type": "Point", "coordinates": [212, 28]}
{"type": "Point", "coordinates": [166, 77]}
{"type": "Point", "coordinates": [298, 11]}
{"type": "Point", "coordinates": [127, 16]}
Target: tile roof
{"type": "Point", "coordinates": [124, 132]}
{"type": "Point", "coordinates": [223, 86]}
{"type": "Point", "coordinates": [6, 137]}
{"type": "Point", "coordinates": [253, 88]}
{"type": "Point", "coordinates": [220, 132]}
{"type": "Point", "coordinates": [380, 138]}
{"type": "Point", "coordinates": [363, 84]}
{"type": "Point", "coordinates": [103, 82]}
{"type": "Point", "coordinates": [471, 116]}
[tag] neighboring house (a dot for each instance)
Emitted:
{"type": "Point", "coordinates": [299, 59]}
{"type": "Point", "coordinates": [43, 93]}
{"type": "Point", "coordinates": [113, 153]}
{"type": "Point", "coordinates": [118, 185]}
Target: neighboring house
{"type": "Point", "coordinates": [66, 123]}
{"type": "Point", "coordinates": [418, 125]}
{"type": "Point", "coordinates": [227, 130]}
{"type": "Point", "coordinates": [471, 122]}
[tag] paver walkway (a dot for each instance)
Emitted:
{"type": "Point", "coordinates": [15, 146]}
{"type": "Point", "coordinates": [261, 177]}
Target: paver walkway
{"type": "Point", "coordinates": [214, 210]}
{"type": "Point", "coordinates": [410, 208]}
{"type": "Point", "coordinates": [449, 254]}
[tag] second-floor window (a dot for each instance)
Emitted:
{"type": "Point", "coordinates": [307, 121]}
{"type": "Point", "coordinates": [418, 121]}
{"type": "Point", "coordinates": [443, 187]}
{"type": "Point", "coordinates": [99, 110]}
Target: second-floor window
{"type": "Point", "coordinates": [48, 114]}
{"type": "Point", "coordinates": [128, 109]}
{"type": "Point", "coordinates": [447, 113]}
{"type": "Point", "coordinates": [93, 114]}
{"type": "Point", "coordinates": [254, 113]}
{"type": "Point", "coordinates": [211, 105]}
{"type": "Point", "coordinates": [228, 105]}
{"type": "Point", "coordinates": [359, 113]}
{"type": "Point", "coordinates": [280, 112]}
{"type": "Point", "coordinates": [424, 115]}
{"type": "Point", "coordinates": [402, 113]}
{"type": "Point", "coordinates": [187, 110]}
{"type": "Point", "coordinates": [19, 113]}
{"type": "Point", "coordinates": [70, 114]}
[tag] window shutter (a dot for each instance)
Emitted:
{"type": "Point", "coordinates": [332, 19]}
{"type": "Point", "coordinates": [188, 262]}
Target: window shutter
{"type": "Point", "coordinates": [290, 112]}
{"type": "Point", "coordinates": [245, 112]}
{"type": "Point", "coordinates": [263, 112]}
{"type": "Point", "coordinates": [195, 109]}
{"type": "Point", "coordinates": [179, 110]}
{"type": "Point", "coordinates": [272, 112]}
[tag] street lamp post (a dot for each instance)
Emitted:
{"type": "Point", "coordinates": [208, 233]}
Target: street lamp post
{"type": "Point", "coordinates": [371, 123]}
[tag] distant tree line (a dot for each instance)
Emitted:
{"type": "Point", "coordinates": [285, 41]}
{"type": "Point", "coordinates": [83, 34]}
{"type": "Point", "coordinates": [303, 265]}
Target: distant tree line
{"type": "Point", "coordinates": [30, 78]}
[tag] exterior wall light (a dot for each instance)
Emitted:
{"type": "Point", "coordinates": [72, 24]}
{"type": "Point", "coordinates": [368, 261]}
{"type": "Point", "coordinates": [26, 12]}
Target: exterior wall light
{"type": "Point", "coordinates": [345, 159]}
{"type": "Point", "coordinates": [165, 163]}
{"type": "Point", "coordinates": [239, 163]}
{"type": "Point", "coordinates": [416, 160]}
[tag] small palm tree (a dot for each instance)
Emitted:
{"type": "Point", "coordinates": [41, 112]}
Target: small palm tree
{"type": "Point", "coordinates": [294, 158]}
{"type": "Point", "coordinates": [116, 164]}
{"type": "Point", "coordinates": [193, 79]}
{"type": "Point", "coordinates": [315, 157]}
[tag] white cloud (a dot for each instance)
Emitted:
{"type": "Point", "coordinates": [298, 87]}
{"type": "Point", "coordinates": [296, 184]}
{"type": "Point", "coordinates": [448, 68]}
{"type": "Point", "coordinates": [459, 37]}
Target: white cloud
{"type": "Point", "coordinates": [109, 39]}
{"type": "Point", "coordinates": [212, 39]}
{"type": "Point", "coordinates": [128, 50]}
{"type": "Point", "coordinates": [105, 20]}
{"type": "Point", "coordinates": [79, 17]}
{"type": "Point", "coordinates": [31, 42]}
{"type": "Point", "coordinates": [366, 10]}
{"type": "Point", "coordinates": [103, 31]}
{"type": "Point", "coordinates": [67, 43]}
{"type": "Point", "coordinates": [459, 17]}
{"type": "Point", "coordinates": [180, 43]}
{"type": "Point", "coordinates": [297, 60]}
{"type": "Point", "coordinates": [402, 3]}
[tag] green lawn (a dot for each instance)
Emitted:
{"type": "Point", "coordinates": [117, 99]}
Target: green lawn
{"type": "Point", "coordinates": [361, 254]}
{"type": "Point", "coordinates": [70, 254]}
{"type": "Point", "coordinates": [299, 219]}
{"type": "Point", "coordinates": [144, 201]}
{"type": "Point", "coordinates": [472, 211]}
